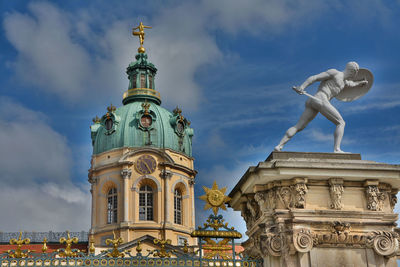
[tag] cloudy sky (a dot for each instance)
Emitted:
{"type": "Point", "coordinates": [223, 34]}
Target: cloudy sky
{"type": "Point", "coordinates": [228, 64]}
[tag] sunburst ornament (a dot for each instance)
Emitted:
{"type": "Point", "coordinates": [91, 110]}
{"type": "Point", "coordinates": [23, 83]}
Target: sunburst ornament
{"type": "Point", "coordinates": [215, 198]}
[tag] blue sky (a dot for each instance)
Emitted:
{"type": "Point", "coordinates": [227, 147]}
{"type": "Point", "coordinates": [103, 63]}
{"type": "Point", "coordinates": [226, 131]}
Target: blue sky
{"type": "Point", "coordinates": [228, 64]}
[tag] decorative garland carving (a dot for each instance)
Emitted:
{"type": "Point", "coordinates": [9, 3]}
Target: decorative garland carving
{"type": "Point", "coordinates": [384, 243]}
{"type": "Point", "coordinates": [303, 240]}
{"type": "Point", "coordinates": [336, 190]}
{"type": "Point", "coordinates": [375, 198]}
{"type": "Point", "coordinates": [341, 228]}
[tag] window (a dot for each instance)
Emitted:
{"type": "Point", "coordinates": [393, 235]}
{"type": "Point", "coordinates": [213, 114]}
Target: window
{"type": "Point", "coordinates": [142, 81]}
{"type": "Point", "coordinates": [134, 81]}
{"type": "Point", "coordinates": [146, 203]}
{"type": "Point", "coordinates": [112, 205]}
{"type": "Point", "coordinates": [177, 207]}
{"type": "Point", "coordinates": [181, 240]}
{"type": "Point", "coordinates": [109, 124]}
{"type": "Point", "coordinates": [151, 82]}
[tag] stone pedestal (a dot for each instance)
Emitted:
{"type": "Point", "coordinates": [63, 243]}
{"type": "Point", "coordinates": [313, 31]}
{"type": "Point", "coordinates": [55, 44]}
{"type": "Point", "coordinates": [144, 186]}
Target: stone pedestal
{"type": "Point", "coordinates": [319, 209]}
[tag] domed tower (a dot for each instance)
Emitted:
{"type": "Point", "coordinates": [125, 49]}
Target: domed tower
{"type": "Point", "coordinates": [142, 172]}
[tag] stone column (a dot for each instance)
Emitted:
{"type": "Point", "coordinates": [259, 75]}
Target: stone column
{"type": "Point", "coordinates": [167, 176]}
{"type": "Point", "coordinates": [126, 175]}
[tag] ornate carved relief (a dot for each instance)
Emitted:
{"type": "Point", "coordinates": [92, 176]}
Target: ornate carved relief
{"type": "Point", "coordinates": [384, 243]}
{"type": "Point", "coordinates": [299, 195]}
{"type": "Point", "coordinates": [341, 228]}
{"type": "Point", "coordinates": [270, 199]}
{"type": "Point", "coordinates": [336, 190]}
{"type": "Point", "coordinates": [260, 199]}
{"type": "Point", "coordinates": [375, 198]}
{"type": "Point", "coordinates": [250, 212]}
{"type": "Point", "coordinates": [303, 240]}
{"type": "Point", "coordinates": [285, 195]}
{"type": "Point", "coordinates": [393, 198]}
{"type": "Point", "coordinates": [126, 173]}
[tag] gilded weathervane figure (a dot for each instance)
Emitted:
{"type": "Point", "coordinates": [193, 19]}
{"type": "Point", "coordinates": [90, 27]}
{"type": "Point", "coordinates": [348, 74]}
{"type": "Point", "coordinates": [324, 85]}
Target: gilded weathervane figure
{"type": "Point", "coordinates": [346, 86]}
{"type": "Point", "coordinates": [141, 34]}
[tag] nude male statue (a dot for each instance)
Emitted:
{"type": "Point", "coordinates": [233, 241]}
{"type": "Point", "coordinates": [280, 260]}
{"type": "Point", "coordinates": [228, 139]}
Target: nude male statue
{"type": "Point", "coordinates": [332, 84]}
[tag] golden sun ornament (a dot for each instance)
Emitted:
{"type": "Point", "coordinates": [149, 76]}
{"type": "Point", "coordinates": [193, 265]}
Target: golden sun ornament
{"type": "Point", "coordinates": [215, 198]}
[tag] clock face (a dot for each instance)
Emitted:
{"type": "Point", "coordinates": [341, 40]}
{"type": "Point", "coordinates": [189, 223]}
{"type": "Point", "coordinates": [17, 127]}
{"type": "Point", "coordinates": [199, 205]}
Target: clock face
{"type": "Point", "coordinates": [146, 164]}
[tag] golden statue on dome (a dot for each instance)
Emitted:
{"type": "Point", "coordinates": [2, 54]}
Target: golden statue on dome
{"type": "Point", "coordinates": [141, 34]}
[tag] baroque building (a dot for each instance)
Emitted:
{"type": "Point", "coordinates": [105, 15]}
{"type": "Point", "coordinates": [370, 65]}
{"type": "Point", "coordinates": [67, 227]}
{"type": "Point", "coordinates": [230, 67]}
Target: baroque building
{"type": "Point", "coordinates": [142, 173]}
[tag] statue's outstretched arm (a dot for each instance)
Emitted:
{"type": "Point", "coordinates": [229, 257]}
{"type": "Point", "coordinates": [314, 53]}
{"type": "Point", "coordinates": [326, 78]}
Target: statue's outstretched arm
{"type": "Point", "coordinates": [355, 84]}
{"type": "Point", "coordinates": [317, 78]}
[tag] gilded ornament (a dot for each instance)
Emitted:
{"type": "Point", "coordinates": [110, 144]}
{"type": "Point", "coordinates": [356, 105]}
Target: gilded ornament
{"type": "Point", "coordinates": [115, 242]}
{"type": "Point", "coordinates": [215, 198]}
{"type": "Point", "coordinates": [68, 252]}
{"type": "Point", "coordinates": [141, 35]}
{"type": "Point", "coordinates": [44, 247]}
{"type": "Point", "coordinates": [162, 252]}
{"type": "Point", "coordinates": [18, 253]}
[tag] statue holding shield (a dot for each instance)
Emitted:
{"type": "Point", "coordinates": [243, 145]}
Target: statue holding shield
{"type": "Point", "coordinates": [346, 86]}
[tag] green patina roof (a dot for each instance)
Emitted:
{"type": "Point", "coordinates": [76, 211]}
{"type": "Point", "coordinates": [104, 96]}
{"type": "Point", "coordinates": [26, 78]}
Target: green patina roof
{"type": "Point", "coordinates": [167, 130]}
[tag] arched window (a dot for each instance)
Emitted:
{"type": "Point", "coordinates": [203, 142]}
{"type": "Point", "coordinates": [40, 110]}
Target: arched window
{"type": "Point", "coordinates": [146, 203]}
{"type": "Point", "coordinates": [177, 207]}
{"type": "Point", "coordinates": [112, 205]}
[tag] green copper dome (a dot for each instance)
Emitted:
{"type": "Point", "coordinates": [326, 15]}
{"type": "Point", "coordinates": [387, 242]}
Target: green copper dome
{"type": "Point", "coordinates": [141, 121]}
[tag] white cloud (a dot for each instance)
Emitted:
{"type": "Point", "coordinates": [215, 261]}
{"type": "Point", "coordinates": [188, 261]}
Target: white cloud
{"type": "Point", "coordinates": [66, 55]}
{"type": "Point", "coordinates": [34, 209]}
{"type": "Point", "coordinates": [37, 193]}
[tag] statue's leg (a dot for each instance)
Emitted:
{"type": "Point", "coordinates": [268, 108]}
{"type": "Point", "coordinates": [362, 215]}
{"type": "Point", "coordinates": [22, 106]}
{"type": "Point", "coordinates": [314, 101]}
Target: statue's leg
{"type": "Point", "coordinates": [331, 113]}
{"type": "Point", "coordinates": [307, 116]}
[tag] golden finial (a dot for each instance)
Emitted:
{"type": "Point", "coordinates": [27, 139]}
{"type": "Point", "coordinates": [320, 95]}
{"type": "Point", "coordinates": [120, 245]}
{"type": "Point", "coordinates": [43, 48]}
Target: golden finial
{"type": "Point", "coordinates": [215, 198]}
{"type": "Point", "coordinates": [44, 247]}
{"type": "Point", "coordinates": [146, 107]}
{"type": "Point", "coordinates": [96, 119]}
{"type": "Point", "coordinates": [139, 247]}
{"type": "Point", "coordinates": [18, 252]}
{"type": "Point", "coordinates": [67, 252]}
{"type": "Point", "coordinates": [185, 246]}
{"type": "Point", "coordinates": [115, 242]}
{"type": "Point", "coordinates": [177, 111]}
{"type": "Point", "coordinates": [111, 108]}
{"type": "Point", "coordinates": [162, 253]}
{"type": "Point", "coordinates": [141, 34]}
{"type": "Point", "coordinates": [92, 249]}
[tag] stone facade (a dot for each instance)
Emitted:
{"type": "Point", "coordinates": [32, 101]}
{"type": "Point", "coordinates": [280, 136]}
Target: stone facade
{"type": "Point", "coordinates": [319, 209]}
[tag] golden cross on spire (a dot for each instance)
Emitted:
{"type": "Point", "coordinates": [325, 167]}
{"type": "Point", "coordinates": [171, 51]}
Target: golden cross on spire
{"type": "Point", "coordinates": [141, 34]}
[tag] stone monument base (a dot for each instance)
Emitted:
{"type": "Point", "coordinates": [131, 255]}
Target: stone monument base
{"type": "Point", "coordinates": [320, 209]}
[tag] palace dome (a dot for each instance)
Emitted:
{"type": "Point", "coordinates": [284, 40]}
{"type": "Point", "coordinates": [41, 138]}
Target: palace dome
{"type": "Point", "coordinates": [141, 121]}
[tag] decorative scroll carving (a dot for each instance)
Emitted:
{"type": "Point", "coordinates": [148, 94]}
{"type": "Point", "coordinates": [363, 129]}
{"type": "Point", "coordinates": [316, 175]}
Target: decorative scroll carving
{"type": "Point", "coordinates": [299, 192]}
{"type": "Point", "coordinates": [393, 198]}
{"type": "Point", "coordinates": [384, 243]}
{"type": "Point", "coordinates": [272, 244]}
{"type": "Point", "coordinates": [250, 212]}
{"type": "Point", "coordinates": [260, 199]}
{"type": "Point", "coordinates": [271, 198]}
{"type": "Point", "coordinates": [375, 198]}
{"type": "Point", "coordinates": [285, 195]}
{"type": "Point", "coordinates": [303, 240]}
{"type": "Point", "coordinates": [126, 173]}
{"type": "Point", "coordinates": [336, 190]}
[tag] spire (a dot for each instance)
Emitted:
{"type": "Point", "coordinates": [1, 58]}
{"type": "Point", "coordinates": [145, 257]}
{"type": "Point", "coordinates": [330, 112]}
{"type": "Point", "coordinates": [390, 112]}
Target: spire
{"type": "Point", "coordinates": [141, 74]}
